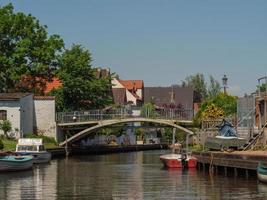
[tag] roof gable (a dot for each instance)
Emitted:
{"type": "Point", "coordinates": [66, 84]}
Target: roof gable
{"type": "Point", "coordinates": [132, 84]}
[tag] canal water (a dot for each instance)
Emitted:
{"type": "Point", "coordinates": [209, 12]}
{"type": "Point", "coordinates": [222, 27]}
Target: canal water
{"type": "Point", "coordinates": [135, 175]}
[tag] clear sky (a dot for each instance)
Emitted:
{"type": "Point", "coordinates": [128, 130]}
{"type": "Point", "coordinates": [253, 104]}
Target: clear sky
{"type": "Point", "coordinates": [163, 41]}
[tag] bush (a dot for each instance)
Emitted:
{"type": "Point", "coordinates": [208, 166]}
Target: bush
{"type": "Point", "coordinates": [46, 139]}
{"type": "Point", "coordinates": [1, 144]}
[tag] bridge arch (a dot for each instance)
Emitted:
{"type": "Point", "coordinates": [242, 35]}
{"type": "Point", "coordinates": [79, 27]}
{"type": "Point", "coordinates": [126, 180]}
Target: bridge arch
{"type": "Point", "coordinates": [106, 123]}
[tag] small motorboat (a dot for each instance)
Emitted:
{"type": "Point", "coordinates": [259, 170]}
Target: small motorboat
{"type": "Point", "coordinates": [262, 172]}
{"type": "Point", "coordinates": [178, 158]}
{"type": "Point", "coordinates": [15, 163]}
{"type": "Point", "coordinates": [35, 148]}
{"type": "Point", "coordinates": [178, 161]}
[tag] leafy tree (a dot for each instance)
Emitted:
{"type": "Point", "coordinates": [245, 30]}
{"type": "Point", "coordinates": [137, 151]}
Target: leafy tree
{"type": "Point", "coordinates": [227, 102]}
{"type": "Point", "coordinates": [140, 133]}
{"type": "Point", "coordinates": [80, 88]}
{"type": "Point", "coordinates": [198, 83]}
{"type": "Point", "coordinates": [221, 102]}
{"type": "Point", "coordinates": [6, 126]}
{"type": "Point", "coordinates": [148, 110]}
{"type": "Point", "coordinates": [262, 87]}
{"type": "Point", "coordinates": [28, 55]}
{"type": "Point", "coordinates": [213, 112]}
{"type": "Point", "coordinates": [214, 88]}
{"type": "Point", "coordinates": [180, 136]}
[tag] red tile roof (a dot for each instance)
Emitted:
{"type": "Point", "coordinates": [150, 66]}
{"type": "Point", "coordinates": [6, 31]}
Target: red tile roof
{"type": "Point", "coordinates": [132, 84]}
{"type": "Point", "coordinates": [54, 84]}
{"type": "Point", "coordinates": [44, 98]}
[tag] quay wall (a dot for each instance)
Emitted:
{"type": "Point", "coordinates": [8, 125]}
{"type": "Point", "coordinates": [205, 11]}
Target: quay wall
{"type": "Point", "coordinates": [104, 149]}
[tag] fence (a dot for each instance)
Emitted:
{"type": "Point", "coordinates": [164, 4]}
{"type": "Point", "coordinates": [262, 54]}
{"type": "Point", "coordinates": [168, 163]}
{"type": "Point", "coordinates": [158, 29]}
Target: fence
{"type": "Point", "coordinates": [96, 115]}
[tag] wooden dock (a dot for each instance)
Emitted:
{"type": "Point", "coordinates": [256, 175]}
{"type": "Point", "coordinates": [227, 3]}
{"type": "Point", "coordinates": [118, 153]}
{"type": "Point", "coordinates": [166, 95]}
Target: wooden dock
{"type": "Point", "coordinates": [247, 160]}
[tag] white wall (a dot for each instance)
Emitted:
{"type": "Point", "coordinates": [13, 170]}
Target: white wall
{"type": "Point", "coordinates": [13, 113]}
{"type": "Point", "coordinates": [44, 117]}
{"type": "Point", "coordinates": [26, 114]}
{"type": "Point", "coordinates": [139, 93]}
{"type": "Point", "coordinates": [116, 84]}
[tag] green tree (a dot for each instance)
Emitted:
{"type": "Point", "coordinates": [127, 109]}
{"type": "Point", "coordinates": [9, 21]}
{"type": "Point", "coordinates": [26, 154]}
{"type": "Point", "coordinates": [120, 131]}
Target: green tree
{"type": "Point", "coordinates": [214, 88]}
{"type": "Point", "coordinates": [262, 87]}
{"type": "Point", "coordinates": [140, 133]}
{"type": "Point", "coordinates": [225, 102]}
{"type": "Point", "coordinates": [148, 110]}
{"type": "Point", "coordinates": [28, 55]}
{"type": "Point", "coordinates": [6, 126]}
{"type": "Point", "coordinates": [80, 88]}
{"type": "Point", "coordinates": [198, 83]}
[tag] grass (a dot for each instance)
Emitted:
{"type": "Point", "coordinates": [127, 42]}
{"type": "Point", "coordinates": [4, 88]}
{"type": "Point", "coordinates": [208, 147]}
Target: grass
{"type": "Point", "coordinates": [10, 144]}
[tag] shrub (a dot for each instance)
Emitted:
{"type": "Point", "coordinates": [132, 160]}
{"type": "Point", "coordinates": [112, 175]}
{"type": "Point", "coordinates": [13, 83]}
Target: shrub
{"type": "Point", "coordinates": [46, 139]}
{"type": "Point", "coordinates": [5, 126]}
{"type": "Point", "coordinates": [1, 144]}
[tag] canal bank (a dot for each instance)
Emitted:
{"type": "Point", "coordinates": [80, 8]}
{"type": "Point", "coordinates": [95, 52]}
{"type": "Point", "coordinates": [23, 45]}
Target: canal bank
{"type": "Point", "coordinates": [131, 175]}
{"type": "Point", "coordinates": [104, 149]}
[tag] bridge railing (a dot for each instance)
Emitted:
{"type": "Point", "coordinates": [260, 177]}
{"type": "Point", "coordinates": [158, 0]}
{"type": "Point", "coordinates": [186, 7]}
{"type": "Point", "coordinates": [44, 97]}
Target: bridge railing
{"type": "Point", "coordinates": [97, 115]}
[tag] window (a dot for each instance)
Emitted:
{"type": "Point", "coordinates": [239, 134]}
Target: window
{"type": "Point", "coordinates": [3, 115]}
{"type": "Point", "coordinates": [27, 148]}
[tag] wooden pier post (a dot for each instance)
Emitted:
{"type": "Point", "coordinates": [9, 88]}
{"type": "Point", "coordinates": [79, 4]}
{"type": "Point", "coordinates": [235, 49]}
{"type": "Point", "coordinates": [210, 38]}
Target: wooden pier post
{"type": "Point", "coordinates": [66, 146]}
{"type": "Point", "coordinates": [236, 172]}
{"type": "Point", "coordinates": [247, 175]}
{"type": "Point", "coordinates": [225, 171]}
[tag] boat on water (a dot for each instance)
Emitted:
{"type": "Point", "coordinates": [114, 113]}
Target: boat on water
{"type": "Point", "coordinates": [35, 148]}
{"type": "Point", "coordinates": [178, 161]}
{"type": "Point", "coordinates": [262, 172]}
{"type": "Point", "coordinates": [15, 163]}
{"type": "Point", "coordinates": [178, 158]}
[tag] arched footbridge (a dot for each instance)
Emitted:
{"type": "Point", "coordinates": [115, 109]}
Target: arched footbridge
{"type": "Point", "coordinates": [105, 121]}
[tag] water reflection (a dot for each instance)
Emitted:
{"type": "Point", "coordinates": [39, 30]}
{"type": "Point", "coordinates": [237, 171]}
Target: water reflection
{"type": "Point", "coordinates": [137, 175]}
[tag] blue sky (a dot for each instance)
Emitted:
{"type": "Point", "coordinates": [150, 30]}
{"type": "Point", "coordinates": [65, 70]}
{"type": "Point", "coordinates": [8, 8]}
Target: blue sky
{"type": "Point", "coordinates": [163, 41]}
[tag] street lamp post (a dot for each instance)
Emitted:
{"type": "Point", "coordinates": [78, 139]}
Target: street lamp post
{"type": "Point", "coordinates": [224, 80]}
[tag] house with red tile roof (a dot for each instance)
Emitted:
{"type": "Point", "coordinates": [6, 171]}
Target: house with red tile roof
{"type": "Point", "coordinates": [54, 84]}
{"type": "Point", "coordinates": [134, 91]}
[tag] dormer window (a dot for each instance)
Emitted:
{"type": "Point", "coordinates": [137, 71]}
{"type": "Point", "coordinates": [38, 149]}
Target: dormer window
{"type": "Point", "coordinates": [3, 115]}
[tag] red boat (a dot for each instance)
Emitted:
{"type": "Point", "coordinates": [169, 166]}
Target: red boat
{"type": "Point", "coordinates": [178, 161]}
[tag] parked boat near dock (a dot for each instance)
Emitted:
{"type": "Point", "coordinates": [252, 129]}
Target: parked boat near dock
{"type": "Point", "coordinates": [262, 172]}
{"type": "Point", "coordinates": [178, 161]}
{"type": "Point", "coordinates": [15, 163]}
{"type": "Point", "coordinates": [34, 147]}
{"type": "Point", "coordinates": [178, 158]}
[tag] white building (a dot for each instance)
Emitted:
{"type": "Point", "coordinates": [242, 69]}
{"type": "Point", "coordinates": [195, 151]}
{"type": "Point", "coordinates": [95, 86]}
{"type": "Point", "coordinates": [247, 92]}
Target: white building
{"type": "Point", "coordinates": [44, 115]}
{"type": "Point", "coordinates": [18, 109]}
{"type": "Point", "coordinates": [28, 114]}
{"type": "Point", "coordinates": [134, 90]}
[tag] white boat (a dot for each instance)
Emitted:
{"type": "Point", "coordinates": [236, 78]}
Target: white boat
{"type": "Point", "coordinates": [34, 147]}
{"type": "Point", "coordinates": [15, 163]}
